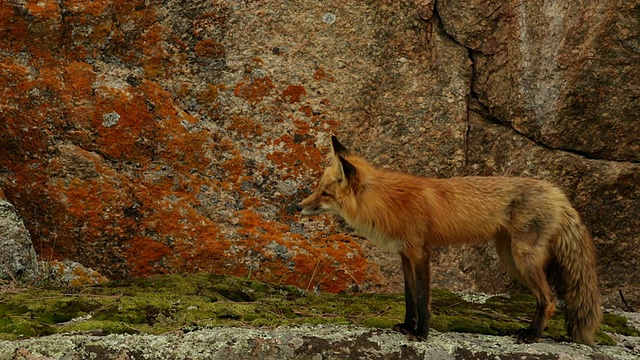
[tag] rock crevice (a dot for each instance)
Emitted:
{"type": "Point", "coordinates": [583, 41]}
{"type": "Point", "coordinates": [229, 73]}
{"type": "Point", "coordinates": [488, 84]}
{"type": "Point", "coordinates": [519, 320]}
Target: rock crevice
{"type": "Point", "coordinates": [473, 53]}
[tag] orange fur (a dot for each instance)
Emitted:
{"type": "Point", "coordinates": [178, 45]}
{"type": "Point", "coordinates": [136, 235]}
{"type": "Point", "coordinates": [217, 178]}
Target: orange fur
{"type": "Point", "coordinates": [539, 235]}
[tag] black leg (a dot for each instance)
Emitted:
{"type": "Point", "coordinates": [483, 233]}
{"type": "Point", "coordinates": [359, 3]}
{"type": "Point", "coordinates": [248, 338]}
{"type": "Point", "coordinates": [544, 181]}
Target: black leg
{"type": "Point", "coordinates": [409, 324]}
{"type": "Point", "coordinates": [423, 286]}
{"type": "Point", "coordinates": [544, 310]}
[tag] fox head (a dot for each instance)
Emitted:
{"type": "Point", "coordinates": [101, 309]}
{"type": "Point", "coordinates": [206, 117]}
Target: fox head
{"type": "Point", "coordinates": [336, 189]}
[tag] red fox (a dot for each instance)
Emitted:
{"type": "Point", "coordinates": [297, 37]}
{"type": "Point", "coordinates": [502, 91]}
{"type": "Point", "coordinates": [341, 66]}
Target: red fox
{"type": "Point", "coordinates": [539, 236]}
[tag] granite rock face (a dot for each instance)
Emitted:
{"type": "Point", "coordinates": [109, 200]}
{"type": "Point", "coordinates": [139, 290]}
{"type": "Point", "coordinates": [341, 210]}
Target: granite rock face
{"type": "Point", "coordinates": [552, 97]}
{"type": "Point", "coordinates": [18, 260]}
{"type": "Point", "coordinates": [560, 73]}
{"type": "Point", "coordinates": [145, 137]}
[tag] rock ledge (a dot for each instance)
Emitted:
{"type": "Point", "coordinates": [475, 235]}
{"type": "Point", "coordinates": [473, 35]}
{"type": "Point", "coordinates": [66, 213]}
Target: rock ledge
{"type": "Point", "coordinates": [303, 342]}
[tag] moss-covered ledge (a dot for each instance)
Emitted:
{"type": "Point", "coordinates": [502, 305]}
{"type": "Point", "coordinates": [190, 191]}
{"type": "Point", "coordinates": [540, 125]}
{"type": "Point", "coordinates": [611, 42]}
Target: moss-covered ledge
{"type": "Point", "coordinates": [172, 304]}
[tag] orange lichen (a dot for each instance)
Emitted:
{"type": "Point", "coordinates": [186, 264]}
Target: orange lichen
{"type": "Point", "coordinates": [141, 211]}
{"type": "Point", "coordinates": [252, 222]}
{"type": "Point", "coordinates": [146, 123]}
{"type": "Point", "coordinates": [157, 61]}
{"type": "Point", "coordinates": [151, 39]}
{"type": "Point", "coordinates": [78, 78]}
{"type": "Point", "coordinates": [13, 74]}
{"type": "Point", "coordinates": [245, 126]}
{"type": "Point", "coordinates": [93, 8]}
{"type": "Point", "coordinates": [130, 136]}
{"type": "Point", "coordinates": [293, 93]}
{"type": "Point", "coordinates": [203, 253]}
{"type": "Point", "coordinates": [234, 166]}
{"type": "Point", "coordinates": [186, 240]}
{"type": "Point", "coordinates": [13, 29]}
{"type": "Point", "coordinates": [321, 74]}
{"type": "Point", "coordinates": [210, 49]}
{"type": "Point", "coordinates": [74, 274]}
{"type": "Point", "coordinates": [306, 110]}
{"type": "Point", "coordinates": [210, 94]}
{"type": "Point", "coordinates": [181, 146]}
{"type": "Point", "coordinates": [50, 79]}
{"type": "Point", "coordinates": [47, 9]}
{"type": "Point", "coordinates": [77, 206]}
{"type": "Point", "coordinates": [352, 263]}
{"type": "Point", "coordinates": [101, 32]}
{"type": "Point", "coordinates": [331, 264]}
{"type": "Point", "coordinates": [254, 90]}
{"type": "Point", "coordinates": [302, 127]}
{"type": "Point", "coordinates": [251, 202]}
{"type": "Point", "coordinates": [294, 155]}
{"type": "Point", "coordinates": [87, 202]}
{"type": "Point", "coordinates": [145, 255]}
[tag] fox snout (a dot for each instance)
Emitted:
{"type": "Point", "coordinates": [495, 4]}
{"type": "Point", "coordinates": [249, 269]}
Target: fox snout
{"type": "Point", "coordinates": [306, 207]}
{"type": "Point", "coordinates": [311, 206]}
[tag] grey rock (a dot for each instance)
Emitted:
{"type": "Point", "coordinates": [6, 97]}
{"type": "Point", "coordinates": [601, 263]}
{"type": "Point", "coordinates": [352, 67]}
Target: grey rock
{"type": "Point", "coordinates": [300, 342]}
{"type": "Point", "coordinates": [17, 257]}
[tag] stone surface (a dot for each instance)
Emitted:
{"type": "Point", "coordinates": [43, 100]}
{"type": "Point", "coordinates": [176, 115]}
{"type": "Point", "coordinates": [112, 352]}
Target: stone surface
{"type": "Point", "coordinates": [145, 137]}
{"type": "Point", "coordinates": [557, 72]}
{"type": "Point", "coordinates": [304, 342]}
{"type": "Point", "coordinates": [18, 260]}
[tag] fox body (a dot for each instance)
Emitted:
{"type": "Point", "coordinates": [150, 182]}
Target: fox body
{"type": "Point", "coordinates": [539, 236]}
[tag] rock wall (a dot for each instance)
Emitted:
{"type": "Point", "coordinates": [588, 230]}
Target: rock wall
{"type": "Point", "coordinates": [552, 98]}
{"type": "Point", "coordinates": [18, 261]}
{"type": "Point", "coordinates": [145, 137]}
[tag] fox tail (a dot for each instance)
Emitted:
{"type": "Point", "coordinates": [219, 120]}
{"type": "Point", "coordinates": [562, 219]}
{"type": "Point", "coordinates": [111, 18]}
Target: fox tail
{"type": "Point", "coordinates": [575, 279]}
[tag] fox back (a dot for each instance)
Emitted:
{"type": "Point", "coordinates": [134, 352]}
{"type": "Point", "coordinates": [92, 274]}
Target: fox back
{"type": "Point", "coordinates": [398, 211]}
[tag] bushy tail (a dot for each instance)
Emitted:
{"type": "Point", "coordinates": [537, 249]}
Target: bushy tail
{"type": "Point", "coordinates": [576, 280]}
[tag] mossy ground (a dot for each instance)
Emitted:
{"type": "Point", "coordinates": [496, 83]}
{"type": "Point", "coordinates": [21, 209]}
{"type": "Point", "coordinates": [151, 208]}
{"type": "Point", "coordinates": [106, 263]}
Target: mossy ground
{"type": "Point", "coordinates": [169, 303]}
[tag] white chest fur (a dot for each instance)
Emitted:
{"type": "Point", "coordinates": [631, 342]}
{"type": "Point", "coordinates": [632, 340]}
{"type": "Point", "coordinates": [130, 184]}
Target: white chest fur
{"type": "Point", "coordinates": [380, 239]}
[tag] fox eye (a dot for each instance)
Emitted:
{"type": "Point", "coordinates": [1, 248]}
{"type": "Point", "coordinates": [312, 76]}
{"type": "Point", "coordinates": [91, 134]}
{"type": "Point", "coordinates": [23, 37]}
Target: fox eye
{"type": "Point", "coordinates": [324, 193]}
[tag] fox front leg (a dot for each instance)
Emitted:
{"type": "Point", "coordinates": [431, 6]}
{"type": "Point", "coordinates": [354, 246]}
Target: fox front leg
{"type": "Point", "coordinates": [417, 282]}
{"type": "Point", "coordinates": [409, 325]}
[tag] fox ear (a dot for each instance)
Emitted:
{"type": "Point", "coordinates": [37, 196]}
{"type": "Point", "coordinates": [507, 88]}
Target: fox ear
{"type": "Point", "coordinates": [348, 170]}
{"type": "Point", "coordinates": [338, 149]}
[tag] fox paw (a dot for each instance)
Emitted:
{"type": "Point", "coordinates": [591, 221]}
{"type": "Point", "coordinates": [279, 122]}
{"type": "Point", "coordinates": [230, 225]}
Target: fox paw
{"type": "Point", "coordinates": [402, 328]}
{"type": "Point", "coordinates": [527, 336]}
{"type": "Point", "coordinates": [414, 336]}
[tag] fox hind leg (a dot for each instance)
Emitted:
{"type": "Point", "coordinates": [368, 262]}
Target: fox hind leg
{"type": "Point", "coordinates": [503, 247]}
{"type": "Point", "coordinates": [524, 257]}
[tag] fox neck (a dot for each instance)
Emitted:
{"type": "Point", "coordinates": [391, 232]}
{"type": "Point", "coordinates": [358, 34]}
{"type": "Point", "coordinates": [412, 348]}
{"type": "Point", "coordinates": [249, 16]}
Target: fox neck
{"type": "Point", "coordinates": [384, 202]}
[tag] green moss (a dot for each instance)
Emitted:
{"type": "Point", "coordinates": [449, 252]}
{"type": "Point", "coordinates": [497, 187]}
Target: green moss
{"type": "Point", "coordinates": [618, 324]}
{"type": "Point", "coordinates": [604, 339]}
{"type": "Point", "coordinates": [174, 302]}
